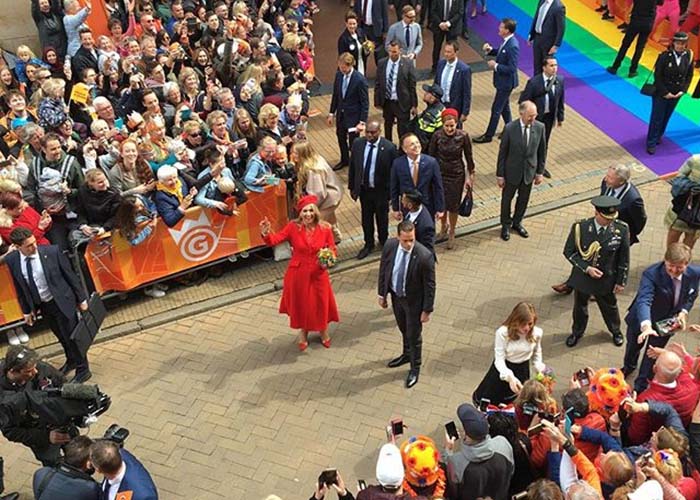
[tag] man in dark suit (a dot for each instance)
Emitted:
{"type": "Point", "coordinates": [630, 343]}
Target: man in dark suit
{"type": "Point", "coordinates": [546, 31]}
{"type": "Point", "coordinates": [395, 91]}
{"type": "Point", "coordinates": [412, 201]}
{"type": "Point", "coordinates": [617, 184]}
{"type": "Point", "coordinates": [521, 160]}
{"type": "Point", "coordinates": [349, 105]}
{"type": "Point", "coordinates": [368, 179]}
{"type": "Point", "coordinates": [374, 21]}
{"type": "Point", "coordinates": [86, 56]}
{"type": "Point", "coordinates": [45, 282]}
{"type": "Point", "coordinates": [668, 290]}
{"type": "Point", "coordinates": [416, 171]}
{"type": "Point", "coordinates": [70, 479]}
{"type": "Point", "coordinates": [546, 90]}
{"type": "Point", "coordinates": [505, 77]}
{"type": "Point", "coordinates": [446, 24]}
{"type": "Point", "coordinates": [598, 248]}
{"type": "Point", "coordinates": [122, 471]}
{"type": "Point", "coordinates": [407, 273]}
{"type": "Point", "coordinates": [455, 79]}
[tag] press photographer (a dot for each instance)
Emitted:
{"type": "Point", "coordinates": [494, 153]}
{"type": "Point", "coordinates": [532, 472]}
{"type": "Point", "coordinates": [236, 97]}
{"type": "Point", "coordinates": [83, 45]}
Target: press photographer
{"type": "Point", "coordinates": [71, 479]}
{"type": "Point", "coordinates": [22, 371]}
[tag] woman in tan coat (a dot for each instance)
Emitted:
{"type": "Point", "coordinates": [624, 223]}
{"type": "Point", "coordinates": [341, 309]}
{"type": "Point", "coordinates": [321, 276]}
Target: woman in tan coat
{"type": "Point", "coordinates": [316, 177]}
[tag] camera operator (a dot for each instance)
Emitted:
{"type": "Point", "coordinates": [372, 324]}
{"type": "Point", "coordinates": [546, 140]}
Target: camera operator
{"type": "Point", "coordinates": [71, 478]}
{"type": "Point", "coordinates": [122, 471]}
{"type": "Point", "coordinates": [23, 371]}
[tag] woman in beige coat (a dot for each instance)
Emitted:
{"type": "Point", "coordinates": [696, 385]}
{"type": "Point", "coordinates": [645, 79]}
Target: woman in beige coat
{"type": "Point", "coordinates": [316, 177]}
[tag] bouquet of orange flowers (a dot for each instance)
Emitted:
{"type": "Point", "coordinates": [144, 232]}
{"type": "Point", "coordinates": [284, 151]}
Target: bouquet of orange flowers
{"type": "Point", "coordinates": [326, 257]}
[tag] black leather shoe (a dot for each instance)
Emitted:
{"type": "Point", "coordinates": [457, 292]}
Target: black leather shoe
{"type": "Point", "coordinates": [612, 70]}
{"type": "Point", "coordinates": [362, 254]}
{"type": "Point", "coordinates": [10, 496]}
{"type": "Point", "coordinates": [627, 371]}
{"type": "Point", "coordinates": [339, 166]}
{"type": "Point", "coordinates": [651, 150]}
{"type": "Point", "coordinates": [521, 231]}
{"type": "Point", "coordinates": [500, 135]}
{"type": "Point", "coordinates": [606, 16]}
{"type": "Point", "coordinates": [622, 26]}
{"type": "Point", "coordinates": [547, 174]}
{"type": "Point", "coordinates": [505, 233]}
{"type": "Point", "coordinates": [602, 8]}
{"type": "Point", "coordinates": [572, 340]}
{"type": "Point", "coordinates": [398, 361]}
{"type": "Point", "coordinates": [81, 377]}
{"type": "Point", "coordinates": [618, 339]}
{"type": "Point", "coordinates": [482, 139]}
{"type": "Point", "coordinates": [562, 288]}
{"type": "Point", "coordinates": [412, 379]}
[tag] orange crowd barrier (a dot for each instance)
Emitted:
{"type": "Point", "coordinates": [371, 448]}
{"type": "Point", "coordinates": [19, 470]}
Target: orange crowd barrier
{"type": "Point", "coordinates": [202, 236]}
{"type": "Point", "coordinates": [10, 311]}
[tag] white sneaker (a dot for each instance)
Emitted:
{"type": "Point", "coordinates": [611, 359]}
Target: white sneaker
{"type": "Point", "coordinates": [154, 292]}
{"type": "Point", "coordinates": [12, 337]}
{"type": "Point", "coordinates": [233, 258]}
{"type": "Point", "coordinates": [23, 337]}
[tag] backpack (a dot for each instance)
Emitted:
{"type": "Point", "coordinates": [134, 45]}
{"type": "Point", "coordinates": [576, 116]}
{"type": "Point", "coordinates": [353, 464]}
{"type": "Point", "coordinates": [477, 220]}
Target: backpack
{"type": "Point", "coordinates": [687, 207]}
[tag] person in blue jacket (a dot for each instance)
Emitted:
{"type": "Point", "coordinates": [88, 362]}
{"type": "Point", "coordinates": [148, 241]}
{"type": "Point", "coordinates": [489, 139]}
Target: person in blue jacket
{"type": "Point", "coordinates": [122, 472]}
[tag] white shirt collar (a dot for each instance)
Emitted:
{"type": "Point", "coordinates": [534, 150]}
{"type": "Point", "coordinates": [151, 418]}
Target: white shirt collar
{"type": "Point", "coordinates": [507, 38]}
{"type": "Point", "coordinates": [670, 385]}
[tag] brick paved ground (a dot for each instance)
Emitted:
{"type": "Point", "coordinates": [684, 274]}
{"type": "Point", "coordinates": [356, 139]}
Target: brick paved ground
{"type": "Point", "coordinates": [222, 405]}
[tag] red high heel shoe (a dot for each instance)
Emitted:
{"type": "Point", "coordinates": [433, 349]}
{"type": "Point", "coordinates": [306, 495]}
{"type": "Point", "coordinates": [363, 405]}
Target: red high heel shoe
{"type": "Point", "coordinates": [326, 343]}
{"type": "Point", "coordinates": [303, 346]}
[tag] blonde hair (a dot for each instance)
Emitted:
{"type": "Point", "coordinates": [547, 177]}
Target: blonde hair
{"type": "Point", "coordinates": [536, 393]}
{"type": "Point", "coordinates": [616, 468]}
{"type": "Point", "coordinates": [307, 161]}
{"type": "Point", "coordinates": [266, 111]}
{"type": "Point", "coordinates": [522, 313]}
{"type": "Point", "coordinates": [52, 86]}
{"type": "Point", "coordinates": [184, 75]}
{"type": "Point", "coordinates": [26, 49]}
{"type": "Point", "coordinates": [670, 438]}
{"type": "Point", "coordinates": [669, 465]}
{"type": "Point", "coordinates": [290, 41]}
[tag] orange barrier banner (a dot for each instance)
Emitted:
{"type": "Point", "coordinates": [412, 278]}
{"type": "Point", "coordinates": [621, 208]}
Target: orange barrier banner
{"type": "Point", "coordinates": [202, 236]}
{"type": "Point", "coordinates": [10, 311]}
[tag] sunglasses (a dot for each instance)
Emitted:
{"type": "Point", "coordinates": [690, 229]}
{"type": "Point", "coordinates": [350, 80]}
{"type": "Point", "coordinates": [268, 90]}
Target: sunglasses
{"type": "Point", "coordinates": [195, 134]}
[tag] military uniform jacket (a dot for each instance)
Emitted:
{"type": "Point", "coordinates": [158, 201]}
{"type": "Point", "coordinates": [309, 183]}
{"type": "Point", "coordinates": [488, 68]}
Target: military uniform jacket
{"type": "Point", "coordinates": [669, 76]}
{"type": "Point", "coordinates": [613, 258]}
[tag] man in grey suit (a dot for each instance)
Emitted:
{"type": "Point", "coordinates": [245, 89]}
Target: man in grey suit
{"type": "Point", "coordinates": [407, 273]}
{"type": "Point", "coordinates": [521, 161]}
{"type": "Point", "coordinates": [407, 34]}
{"type": "Point", "coordinates": [395, 91]}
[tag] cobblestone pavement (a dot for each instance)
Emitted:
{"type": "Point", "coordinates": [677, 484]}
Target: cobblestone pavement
{"type": "Point", "coordinates": [222, 405]}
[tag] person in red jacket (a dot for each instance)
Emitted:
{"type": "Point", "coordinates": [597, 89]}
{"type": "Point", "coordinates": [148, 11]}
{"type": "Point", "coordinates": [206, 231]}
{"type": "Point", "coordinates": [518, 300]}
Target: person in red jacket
{"type": "Point", "coordinates": [22, 215]}
{"type": "Point", "coordinates": [307, 297]}
{"type": "Point", "coordinates": [670, 385]}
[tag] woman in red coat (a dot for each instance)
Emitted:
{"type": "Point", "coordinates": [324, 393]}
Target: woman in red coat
{"type": "Point", "coordinates": [307, 297]}
{"type": "Point", "coordinates": [20, 214]}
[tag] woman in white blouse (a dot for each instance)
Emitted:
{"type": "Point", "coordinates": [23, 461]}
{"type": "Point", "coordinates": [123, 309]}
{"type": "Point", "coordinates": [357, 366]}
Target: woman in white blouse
{"type": "Point", "coordinates": [518, 341]}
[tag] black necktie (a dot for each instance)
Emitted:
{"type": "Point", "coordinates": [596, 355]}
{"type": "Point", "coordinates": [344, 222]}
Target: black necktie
{"type": "Point", "coordinates": [408, 37]}
{"type": "Point", "coordinates": [601, 230]}
{"type": "Point", "coordinates": [368, 166]}
{"type": "Point", "coordinates": [33, 289]}
{"type": "Point", "coordinates": [525, 136]}
{"type": "Point", "coordinates": [390, 80]}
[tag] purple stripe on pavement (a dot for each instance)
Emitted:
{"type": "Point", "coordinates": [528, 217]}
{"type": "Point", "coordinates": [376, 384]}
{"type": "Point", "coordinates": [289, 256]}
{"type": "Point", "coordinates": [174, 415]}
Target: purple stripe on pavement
{"type": "Point", "coordinates": [616, 122]}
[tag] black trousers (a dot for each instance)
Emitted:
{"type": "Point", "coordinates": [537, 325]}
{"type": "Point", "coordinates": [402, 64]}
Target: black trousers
{"type": "Point", "coordinates": [345, 139]}
{"type": "Point", "coordinates": [539, 52]}
{"type": "Point", "coordinates": [509, 190]}
{"type": "Point", "coordinates": [439, 37]}
{"type": "Point", "coordinates": [548, 120]}
{"type": "Point", "coordinates": [408, 320]}
{"type": "Point", "coordinates": [607, 303]}
{"type": "Point", "coordinates": [62, 327]}
{"type": "Point", "coordinates": [632, 350]}
{"type": "Point", "coordinates": [48, 455]}
{"type": "Point", "coordinates": [392, 113]}
{"type": "Point", "coordinates": [642, 30]}
{"type": "Point", "coordinates": [375, 206]}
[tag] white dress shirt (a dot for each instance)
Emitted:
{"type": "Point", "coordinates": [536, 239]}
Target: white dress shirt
{"type": "Point", "coordinates": [527, 129]}
{"type": "Point", "coordinates": [448, 74]}
{"type": "Point", "coordinates": [410, 164]}
{"type": "Point", "coordinates": [115, 483]}
{"type": "Point", "coordinates": [541, 15]}
{"type": "Point", "coordinates": [38, 273]}
{"type": "Point", "coordinates": [517, 351]}
{"type": "Point", "coordinates": [395, 271]}
{"type": "Point", "coordinates": [360, 61]}
{"type": "Point", "coordinates": [368, 18]}
{"type": "Point", "coordinates": [505, 41]}
{"type": "Point", "coordinates": [412, 216]}
{"type": "Point", "coordinates": [373, 164]}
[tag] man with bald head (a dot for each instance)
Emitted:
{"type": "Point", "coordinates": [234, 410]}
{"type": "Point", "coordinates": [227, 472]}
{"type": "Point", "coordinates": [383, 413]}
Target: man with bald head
{"type": "Point", "coordinates": [521, 161]}
{"type": "Point", "coordinates": [368, 179]}
{"type": "Point", "coordinates": [670, 385]}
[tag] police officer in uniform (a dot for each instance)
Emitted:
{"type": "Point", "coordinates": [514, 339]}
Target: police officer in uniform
{"type": "Point", "coordinates": [430, 120]}
{"type": "Point", "coordinates": [599, 249]}
{"type": "Point", "coordinates": [673, 72]}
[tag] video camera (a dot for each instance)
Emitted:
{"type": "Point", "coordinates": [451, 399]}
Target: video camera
{"type": "Point", "coordinates": [68, 407]}
{"type": "Point", "coordinates": [116, 434]}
